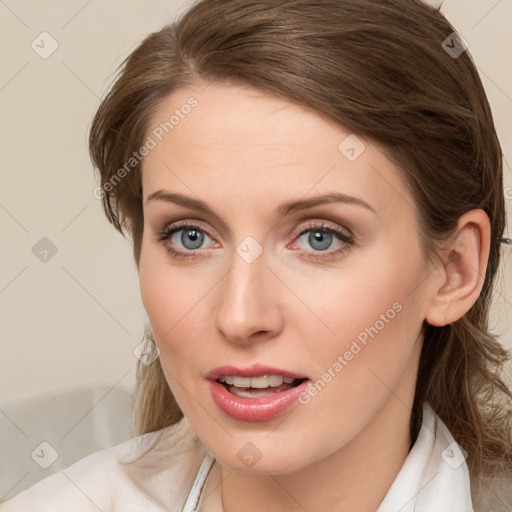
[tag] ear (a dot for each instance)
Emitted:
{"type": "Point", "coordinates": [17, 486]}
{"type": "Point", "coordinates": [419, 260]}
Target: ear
{"type": "Point", "coordinates": [462, 270]}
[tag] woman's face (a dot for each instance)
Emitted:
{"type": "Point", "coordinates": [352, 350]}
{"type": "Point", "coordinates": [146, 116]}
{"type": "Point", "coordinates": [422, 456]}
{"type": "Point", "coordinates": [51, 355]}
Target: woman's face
{"type": "Point", "coordinates": [278, 243]}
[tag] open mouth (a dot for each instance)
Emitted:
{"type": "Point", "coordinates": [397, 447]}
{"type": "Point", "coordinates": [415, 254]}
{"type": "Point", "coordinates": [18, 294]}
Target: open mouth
{"type": "Point", "coordinates": [256, 387]}
{"type": "Point", "coordinates": [255, 394]}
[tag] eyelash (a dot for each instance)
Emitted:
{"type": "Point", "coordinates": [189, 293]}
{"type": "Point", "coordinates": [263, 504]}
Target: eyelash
{"type": "Point", "coordinates": [347, 240]}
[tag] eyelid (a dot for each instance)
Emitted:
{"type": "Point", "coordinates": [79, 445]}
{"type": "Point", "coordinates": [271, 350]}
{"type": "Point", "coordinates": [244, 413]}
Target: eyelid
{"type": "Point", "coordinates": [183, 224]}
{"type": "Point", "coordinates": [321, 224]}
{"type": "Point", "coordinates": [300, 230]}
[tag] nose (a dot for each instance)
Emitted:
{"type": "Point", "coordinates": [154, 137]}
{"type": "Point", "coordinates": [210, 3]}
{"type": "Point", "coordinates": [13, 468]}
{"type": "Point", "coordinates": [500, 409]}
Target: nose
{"type": "Point", "coordinates": [248, 308]}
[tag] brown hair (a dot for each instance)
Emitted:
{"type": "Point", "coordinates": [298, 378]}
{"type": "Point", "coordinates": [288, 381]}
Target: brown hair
{"type": "Point", "coordinates": [379, 68]}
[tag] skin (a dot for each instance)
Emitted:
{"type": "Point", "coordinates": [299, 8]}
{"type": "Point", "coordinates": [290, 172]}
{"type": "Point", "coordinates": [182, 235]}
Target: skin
{"type": "Point", "coordinates": [244, 153]}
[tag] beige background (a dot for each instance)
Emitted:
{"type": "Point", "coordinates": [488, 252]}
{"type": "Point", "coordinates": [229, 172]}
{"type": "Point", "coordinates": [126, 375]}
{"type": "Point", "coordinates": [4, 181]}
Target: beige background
{"type": "Point", "coordinates": [77, 318]}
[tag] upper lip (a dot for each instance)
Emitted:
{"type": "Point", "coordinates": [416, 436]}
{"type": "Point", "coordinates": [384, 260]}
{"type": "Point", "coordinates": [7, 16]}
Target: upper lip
{"type": "Point", "coordinates": [256, 370]}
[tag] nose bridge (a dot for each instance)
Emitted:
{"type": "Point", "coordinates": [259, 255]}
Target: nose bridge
{"type": "Point", "coordinates": [246, 303]}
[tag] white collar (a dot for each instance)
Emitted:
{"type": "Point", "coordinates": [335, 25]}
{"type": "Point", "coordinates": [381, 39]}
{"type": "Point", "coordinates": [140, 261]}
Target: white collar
{"type": "Point", "coordinates": [194, 496]}
{"type": "Point", "coordinates": [434, 476]}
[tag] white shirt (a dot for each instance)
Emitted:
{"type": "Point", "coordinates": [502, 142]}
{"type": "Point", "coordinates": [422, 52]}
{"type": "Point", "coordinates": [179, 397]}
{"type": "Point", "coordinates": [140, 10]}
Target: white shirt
{"type": "Point", "coordinates": [166, 471]}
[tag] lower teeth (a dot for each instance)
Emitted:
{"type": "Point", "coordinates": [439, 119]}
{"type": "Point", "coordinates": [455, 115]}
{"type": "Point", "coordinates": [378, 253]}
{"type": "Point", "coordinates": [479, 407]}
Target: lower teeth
{"type": "Point", "coordinates": [257, 393]}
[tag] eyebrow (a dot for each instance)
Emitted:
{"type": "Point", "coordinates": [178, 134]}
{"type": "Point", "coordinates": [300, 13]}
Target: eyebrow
{"type": "Point", "coordinates": [282, 210]}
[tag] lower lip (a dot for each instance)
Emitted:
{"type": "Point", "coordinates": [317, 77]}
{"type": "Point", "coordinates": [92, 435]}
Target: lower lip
{"type": "Point", "coordinates": [255, 409]}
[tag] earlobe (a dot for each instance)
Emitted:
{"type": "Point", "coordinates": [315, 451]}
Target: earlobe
{"type": "Point", "coordinates": [462, 271]}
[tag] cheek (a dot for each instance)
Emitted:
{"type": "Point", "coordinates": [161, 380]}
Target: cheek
{"type": "Point", "coordinates": [349, 299]}
{"type": "Point", "coordinates": [160, 292]}
{"type": "Point", "coordinates": [373, 305]}
{"type": "Point", "coordinates": [370, 318]}
{"type": "Point", "coordinates": [175, 300]}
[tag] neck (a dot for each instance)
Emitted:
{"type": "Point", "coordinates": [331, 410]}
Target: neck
{"type": "Point", "coordinates": [356, 477]}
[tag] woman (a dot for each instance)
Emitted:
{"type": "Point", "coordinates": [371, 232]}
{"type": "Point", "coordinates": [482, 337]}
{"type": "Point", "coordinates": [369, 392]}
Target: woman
{"type": "Point", "coordinates": [314, 193]}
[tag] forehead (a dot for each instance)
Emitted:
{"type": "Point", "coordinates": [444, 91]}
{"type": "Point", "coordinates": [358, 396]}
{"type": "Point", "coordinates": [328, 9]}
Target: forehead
{"type": "Point", "coordinates": [237, 141]}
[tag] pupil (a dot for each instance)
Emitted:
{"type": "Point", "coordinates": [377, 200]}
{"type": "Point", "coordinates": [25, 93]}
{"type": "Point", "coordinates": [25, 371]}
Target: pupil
{"type": "Point", "coordinates": [319, 240]}
{"type": "Point", "coordinates": [192, 239]}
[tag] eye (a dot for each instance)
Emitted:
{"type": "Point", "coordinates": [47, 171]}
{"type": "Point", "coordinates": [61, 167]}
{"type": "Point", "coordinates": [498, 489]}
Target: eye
{"type": "Point", "coordinates": [186, 240]}
{"type": "Point", "coordinates": [321, 237]}
{"type": "Point", "coordinates": [183, 240]}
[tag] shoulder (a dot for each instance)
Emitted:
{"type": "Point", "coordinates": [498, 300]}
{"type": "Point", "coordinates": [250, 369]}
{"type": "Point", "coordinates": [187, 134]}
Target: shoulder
{"type": "Point", "coordinates": [149, 472]}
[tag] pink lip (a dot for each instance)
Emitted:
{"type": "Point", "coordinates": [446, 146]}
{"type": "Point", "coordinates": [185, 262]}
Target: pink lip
{"type": "Point", "coordinates": [254, 409]}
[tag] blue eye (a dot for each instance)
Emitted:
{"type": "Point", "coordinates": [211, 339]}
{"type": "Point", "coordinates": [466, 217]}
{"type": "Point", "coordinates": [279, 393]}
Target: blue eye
{"type": "Point", "coordinates": [184, 241]}
{"type": "Point", "coordinates": [320, 237]}
{"type": "Point", "coordinates": [319, 240]}
{"type": "Point", "coordinates": [189, 236]}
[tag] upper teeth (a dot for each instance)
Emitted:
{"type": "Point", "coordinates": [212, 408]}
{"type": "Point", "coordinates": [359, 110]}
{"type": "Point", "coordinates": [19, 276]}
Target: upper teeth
{"type": "Point", "coordinates": [256, 382]}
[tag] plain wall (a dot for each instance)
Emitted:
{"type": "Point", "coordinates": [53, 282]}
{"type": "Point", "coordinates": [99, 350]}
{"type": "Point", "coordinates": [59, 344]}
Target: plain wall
{"type": "Point", "coordinates": [77, 318]}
